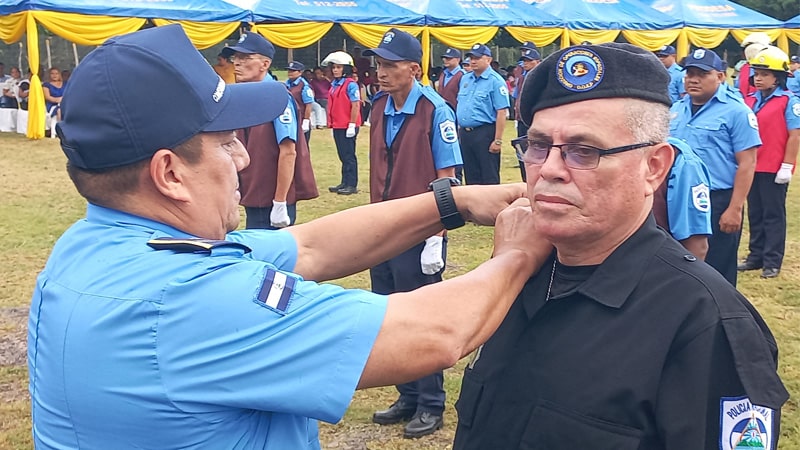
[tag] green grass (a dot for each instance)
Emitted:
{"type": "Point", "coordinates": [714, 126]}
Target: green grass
{"type": "Point", "coordinates": [38, 202]}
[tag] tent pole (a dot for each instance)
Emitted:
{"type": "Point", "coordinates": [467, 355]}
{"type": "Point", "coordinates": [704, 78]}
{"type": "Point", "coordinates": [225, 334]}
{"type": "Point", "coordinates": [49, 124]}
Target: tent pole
{"type": "Point", "coordinates": [290, 55]}
{"type": "Point", "coordinates": [319, 59]}
{"type": "Point", "coordinates": [49, 59]}
{"type": "Point", "coordinates": [19, 60]}
{"type": "Point", "coordinates": [75, 53]}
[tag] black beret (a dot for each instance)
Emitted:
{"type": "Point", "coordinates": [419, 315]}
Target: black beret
{"type": "Point", "coordinates": [587, 72]}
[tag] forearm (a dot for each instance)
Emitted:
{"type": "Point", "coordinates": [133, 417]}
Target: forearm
{"type": "Point", "coordinates": [500, 124]}
{"type": "Point", "coordinates": [741, 183]}
{"type": "Point", "coordinates": [307, 114]}
{"type": "Point", "coordinates": [792, 147]}
{"type": "Point", "coordinates": [431, 328]}
{"type": "Point", "coordinates": [355, 107]}
{"type": "Point", "coordinates": [286, 159]}
{"type": "Point", "coordinates": [697, 244]}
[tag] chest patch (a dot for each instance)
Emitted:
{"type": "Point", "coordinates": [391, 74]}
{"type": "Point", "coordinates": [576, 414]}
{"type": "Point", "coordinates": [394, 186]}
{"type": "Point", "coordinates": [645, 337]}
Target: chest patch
{"type": "Point", "coordinates": [744, 425]}
{"type": "Point", "coordinates": [276, 291]}
{"type": "Point", "coordinates": [700, 197]}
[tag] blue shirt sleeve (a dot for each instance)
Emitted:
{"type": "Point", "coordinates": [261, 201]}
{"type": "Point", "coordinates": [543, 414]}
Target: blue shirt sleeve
{"type": "Point", "coordinates": [688, 195]}
{"type": "Point", "coordinates": [307, 94]}
{"type": "Point", "coordinates": [276, 247]}
{"type": "Point", "coordinates": [743, 128]}
{"type": "Point", "coordinates": [444, 143]}
{"type": "Point", "coordinates": [352, 92]}
{"type": "Point", "coordinates": [792, 113]}
{"type": "Point", "coordinates": [221, 344]}
{"type": "Point", "coordinates": [499, 93]}
{"type": "Point", "coordinates": [286, 124]}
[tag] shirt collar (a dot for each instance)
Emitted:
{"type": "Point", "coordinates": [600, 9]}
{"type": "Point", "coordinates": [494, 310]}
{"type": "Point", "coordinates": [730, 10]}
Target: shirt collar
{"type": "Point", "coordinates": [107, 216]}
{"type": "Point", "coordinates": [452, 72]}
{"type": "Point", "coordinates": [338, 81]}
{"type": "Point", "coordinates": [613, 282]}
{"type": "Point", "coordinates": [776, 93]}
{"type": "Point", "coordinates": [409, 107]}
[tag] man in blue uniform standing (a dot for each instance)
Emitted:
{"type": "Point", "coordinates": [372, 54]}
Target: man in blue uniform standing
{"type": "Point", "coordinates": [723, 131]}
{"type": "Point", "coordinates": [481, 113]}
{"type": "Point", "coordinates": [451, 76]}
{"type": "Point", "coordinates": [155, 325]}
{"type": "Point", "coordinates": [793, 82]}
{"type": "Point", "coordinates": [667, 56]}
{"type": "Point", "coordinates": [530, 59]}
{"type": "Point", "coordinates": [302, 92]}
{"type": "Point", "coordinates": [413, 141]}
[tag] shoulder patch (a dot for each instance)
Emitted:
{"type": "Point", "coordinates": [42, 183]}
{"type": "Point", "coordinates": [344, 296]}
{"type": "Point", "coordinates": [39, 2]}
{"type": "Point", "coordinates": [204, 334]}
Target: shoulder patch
{"type": "Point", "coordinates": [744, 425]}
{"type": "Point", "coordinates": [701, 197]}
{"type": "Point", "coordinates": [448, 131]}
{"type": "Point", "coordinates": [286, 117]}
{"type": "Point", "coordinates": [751, 118]}
{"type": "Point", "coordinates": [192, 245]}
{"type": "Point", "coordinates": [276, 291]}
{"type": "Point", "coordinates": [796, 109]}
{"type": "Point", "coordinates": [309, 91]}
{"type": "Point", "coordinates": [503, 90]}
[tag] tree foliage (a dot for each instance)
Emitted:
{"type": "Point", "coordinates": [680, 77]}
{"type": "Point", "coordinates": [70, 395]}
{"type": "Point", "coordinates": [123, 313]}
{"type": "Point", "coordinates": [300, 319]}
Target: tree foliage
{"type": "Point", "coordinates": [779, 9]}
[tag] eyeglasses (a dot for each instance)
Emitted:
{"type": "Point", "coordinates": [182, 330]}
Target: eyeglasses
{"type": "Point", "coordinates": [575, 156]}
{"type": "Point", "coordinates": [241, 58]}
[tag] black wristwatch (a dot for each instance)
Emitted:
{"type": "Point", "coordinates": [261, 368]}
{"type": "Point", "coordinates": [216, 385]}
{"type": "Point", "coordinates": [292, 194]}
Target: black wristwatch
{"type": "Point", "coordinates": [448, 212]}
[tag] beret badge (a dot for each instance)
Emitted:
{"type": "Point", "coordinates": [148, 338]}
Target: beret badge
{"type": "Point", "coordinates": [580, 70]}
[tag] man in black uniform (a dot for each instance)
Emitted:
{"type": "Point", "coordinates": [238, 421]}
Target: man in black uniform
{"type": "Point", "coordinates": [626, 341]}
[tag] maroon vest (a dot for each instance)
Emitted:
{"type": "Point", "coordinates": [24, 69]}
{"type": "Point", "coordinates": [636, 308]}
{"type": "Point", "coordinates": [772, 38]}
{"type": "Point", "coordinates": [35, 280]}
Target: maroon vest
{"type": "Point", "coordinates": [297, 93]}
{"type": "Point", "coordinates": [406, 168]}
{"type": "Point", "coordinates": [257, 181]}
{"type": "Point", "coordinates": [449, 92]}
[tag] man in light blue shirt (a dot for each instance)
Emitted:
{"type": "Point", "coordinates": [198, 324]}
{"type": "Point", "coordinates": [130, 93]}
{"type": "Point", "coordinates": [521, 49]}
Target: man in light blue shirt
{"type": "Point", "coordinates": [481, 113]}
{"type": "Point", "coordinates": [667, 56]}
{"type": "Point", "coordinates": [793, 83]}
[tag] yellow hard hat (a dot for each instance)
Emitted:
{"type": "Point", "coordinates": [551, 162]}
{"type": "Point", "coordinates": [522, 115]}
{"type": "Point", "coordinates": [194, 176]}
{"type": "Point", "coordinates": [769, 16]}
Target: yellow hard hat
{"type": "Point", "coordinates": [771, 58]}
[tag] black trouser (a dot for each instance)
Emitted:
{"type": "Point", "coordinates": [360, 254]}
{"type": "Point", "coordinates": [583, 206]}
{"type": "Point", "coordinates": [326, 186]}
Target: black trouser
{"type": "Point", "coordinates": [402, 274]}
{"type": "Point", "coordinates": [308, 136]}
{"type": "Point", "coordinates": [346, 148]}
{"type": "Point", "coordinates": [522, 130]}
{"type": "Point", "coordinates": [259, 217]}
{"type": "Point", "coordinates": [480, 165]}
{"type": "Point", "coordinates": [766, 212]}
{"type": "Point", "coordinates": [722, 247]}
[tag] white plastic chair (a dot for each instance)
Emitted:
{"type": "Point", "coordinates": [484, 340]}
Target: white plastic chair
{"type": "Point", "coordinates": [8, 119]}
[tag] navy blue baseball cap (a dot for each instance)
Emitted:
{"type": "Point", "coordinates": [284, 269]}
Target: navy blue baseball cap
{"type": "Point", "coordinates": [530, 54]}
{"type": "Point", "coordinates": [795, 59]}
{"type": "Point", "coordinates": [528, 45]}
{"type": "Point", "coordinates": [296, 65]}
{"type": "Point", "coordinates": [479, 50]}
{"type": "Point", "coordinates": [666, 50]}
{"type": "Point", "coordinates": [252, 43]}
{"type": "Point", "coordinates": [397, 45]}
{"type": "Point", "coordinates": [452, 53]}
{"type": "Point", "coordinates": [111, 119]}
{"type": "Point", "coordinates": [703, 59]}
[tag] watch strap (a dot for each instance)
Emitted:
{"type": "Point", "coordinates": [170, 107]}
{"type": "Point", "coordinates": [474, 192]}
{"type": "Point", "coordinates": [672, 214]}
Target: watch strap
{"type": "Point", "coordinates": [448, 212]}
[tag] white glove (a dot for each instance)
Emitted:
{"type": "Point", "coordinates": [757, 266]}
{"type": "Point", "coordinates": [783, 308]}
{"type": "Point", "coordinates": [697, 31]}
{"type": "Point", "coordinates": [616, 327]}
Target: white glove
{"type": "Point", "coordinates": [431, 259]}
{"type": "Point", "coordinates": [784, 175]}
{"type": "Point", "coordinates": [351, 130]}
{"type": "Point", "coordinates": [306, 125]}
{"type": "Point", "coordinates": [279, 216]}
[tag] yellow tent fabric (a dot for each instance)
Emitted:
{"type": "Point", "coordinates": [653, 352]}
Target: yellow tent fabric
{"type": "Point", "coordinates": [86, 30]}
{"type": "Point", "coordinates": [293, 35]}
{"type": "Point", "coordinates": [12, 27]}
{"type": "Point", "coordinates": [539, 36]}
{"type": "Point", "coordinates": [203, 34]}
{"type": "Point", "coordinates": [36, 109]}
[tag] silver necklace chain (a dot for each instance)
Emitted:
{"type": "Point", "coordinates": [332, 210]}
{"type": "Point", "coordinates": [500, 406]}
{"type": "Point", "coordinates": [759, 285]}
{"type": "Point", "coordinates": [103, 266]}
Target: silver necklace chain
{"type": "Point", "coordinates": [552, 275]}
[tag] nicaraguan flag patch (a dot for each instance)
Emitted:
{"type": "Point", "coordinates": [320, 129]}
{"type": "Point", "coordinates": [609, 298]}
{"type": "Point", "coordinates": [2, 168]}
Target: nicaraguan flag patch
{"type": "Point", "coordinates": [743, 425]}
{"type": "Point", "coordinates": [276, 291]}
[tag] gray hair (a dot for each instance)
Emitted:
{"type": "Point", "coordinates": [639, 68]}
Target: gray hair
{"type": "Point", "coordinates": [647, 121]}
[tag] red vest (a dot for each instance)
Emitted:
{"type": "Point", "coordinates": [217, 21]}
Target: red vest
{"type": "Point", "coordinates": [773, 131]}
{"type": "Point", "coordinates": [297, 93]}
{"type": "Point", "coordinates": [339, 105]}
{"type": "Point", "coordinates": [406, 168]}
{"type": "Point", "coordinates": [257, 181]}
{"type": "Point", "coordinates": [744, 81]}
{"type": "Point", "coordinates": [449, 92]}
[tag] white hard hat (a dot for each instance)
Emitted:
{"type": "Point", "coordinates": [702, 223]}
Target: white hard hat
{"type": "Point", "coordinates": [758, 37]}
{"type": "Point", "coordinates": [338, 58]}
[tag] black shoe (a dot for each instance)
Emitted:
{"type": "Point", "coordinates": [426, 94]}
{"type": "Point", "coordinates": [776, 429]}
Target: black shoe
{"type": "Point", "coordinates": [770, 272]}
{"type": "Point", "coordinates": [422, 424]}
{"type": "Point", "coordinates": [335, 188]}
{"type": "Point", "coordinates": [347, 190]}
{"type": "Point", "coordinates": [748, 265]}
{"type": "Point", "coordinates": [399, 411]}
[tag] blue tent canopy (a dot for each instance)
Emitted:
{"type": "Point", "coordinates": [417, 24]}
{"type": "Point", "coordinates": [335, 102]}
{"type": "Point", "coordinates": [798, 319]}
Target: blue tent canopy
{"type": "Point", "coordinates": [714, 14]}
{"type": "Point", "coordinates": [374, 12]}
{"type": "Point", "coordinates": [609, 15]}
{"type": "Point", "coordinates": [481, 13]}
{"type": "Point", "coordinates": [794, 22]}
{"type": "Point", "coordinates": [192, 10]}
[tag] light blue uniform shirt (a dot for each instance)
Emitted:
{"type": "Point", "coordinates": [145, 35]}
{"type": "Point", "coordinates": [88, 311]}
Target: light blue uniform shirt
{"type": "Point", "coordinates": [131, 347]}
{"type": "Point", "coordinates": [793, 83]}
{"type": "Point", "coordinates": [721, 128]}
{"type": "Point", "coordinates": [444, 139]}
{"type": "Point", "coordinates": [447, 75]}
{"type": "Point", "coordinates": [352, 89]}
{"type": "Point", "coordinates": [286, 124]}
{"type": "Point", "coordinates": [792, 112]}
{"type": "Point", "coordinates": [676, 86]}
{"type": "Point", "coordinates": [519, 82]}
{"type": "Point", "coordinates": [306, 94]}
{"type": "Point", "coordinates": [688, 196]}
{"type": "Point", "coordinates": [480, 97]}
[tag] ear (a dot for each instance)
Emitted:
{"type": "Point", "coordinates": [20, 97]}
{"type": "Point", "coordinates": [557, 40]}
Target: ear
{"type": "Point", "coordinates": [168, 174]}
{"type": "Point", "coordinates": [659, 162]}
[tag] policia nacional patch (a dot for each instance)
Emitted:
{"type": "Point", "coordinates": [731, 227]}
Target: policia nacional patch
{"type": "Point", "coordinates": [744, 426]}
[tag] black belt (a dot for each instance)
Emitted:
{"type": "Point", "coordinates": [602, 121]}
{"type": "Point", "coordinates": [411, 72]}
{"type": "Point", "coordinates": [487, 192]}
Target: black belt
{"type": "Point", "coordinates": [468, 129]}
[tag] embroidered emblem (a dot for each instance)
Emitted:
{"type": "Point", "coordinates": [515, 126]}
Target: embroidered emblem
{"type": "Point", "coordinates": [309, 92]}
{"type": "Point", "coordinates": [448, 131]}
{"type": "Point", "coordinates": [699, 54]}
{"type": "Point", "coordinates": [286, 117]}
{"type": "Point", "coordinates": [219, 91]}
{"type": "Point", "coordinates": [276, 291]}
{"type": "Point", "coordinates": [388, 37]}
{"type": "Point", "coordinates": [580, 70]}
{"type": "Point", "coordinates": [701, 197]}
{"type": "Point", "coordinates": [476, 46]}
{"type": "Point", "coordinates": [796, 109]}
{"type": "Point", "coordinates": [744, 425]}
{"type": "Point", "coordinates": [751, 117]}
{"type": "Point", "coordinates": [242, 38]}
{"type": "Point", "coordinates": [503, 90]}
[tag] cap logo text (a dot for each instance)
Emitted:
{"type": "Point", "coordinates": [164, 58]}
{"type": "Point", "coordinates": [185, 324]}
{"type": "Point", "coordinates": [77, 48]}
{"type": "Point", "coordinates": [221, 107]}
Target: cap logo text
{"type": "Point", "coordinates": [580, 70]}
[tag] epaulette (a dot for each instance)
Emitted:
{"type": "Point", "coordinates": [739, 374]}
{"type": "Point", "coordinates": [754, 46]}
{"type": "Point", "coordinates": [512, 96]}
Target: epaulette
{"type": "Point", "coordinates": [433, 97]}
{"type": "Point", "coordinates": [193, 245]}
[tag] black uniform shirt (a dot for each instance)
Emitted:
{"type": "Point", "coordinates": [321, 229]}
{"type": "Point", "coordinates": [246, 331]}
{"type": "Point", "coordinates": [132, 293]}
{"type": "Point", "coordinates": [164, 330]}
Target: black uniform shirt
{"type": "Point", "coordinates": [655, 350]}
